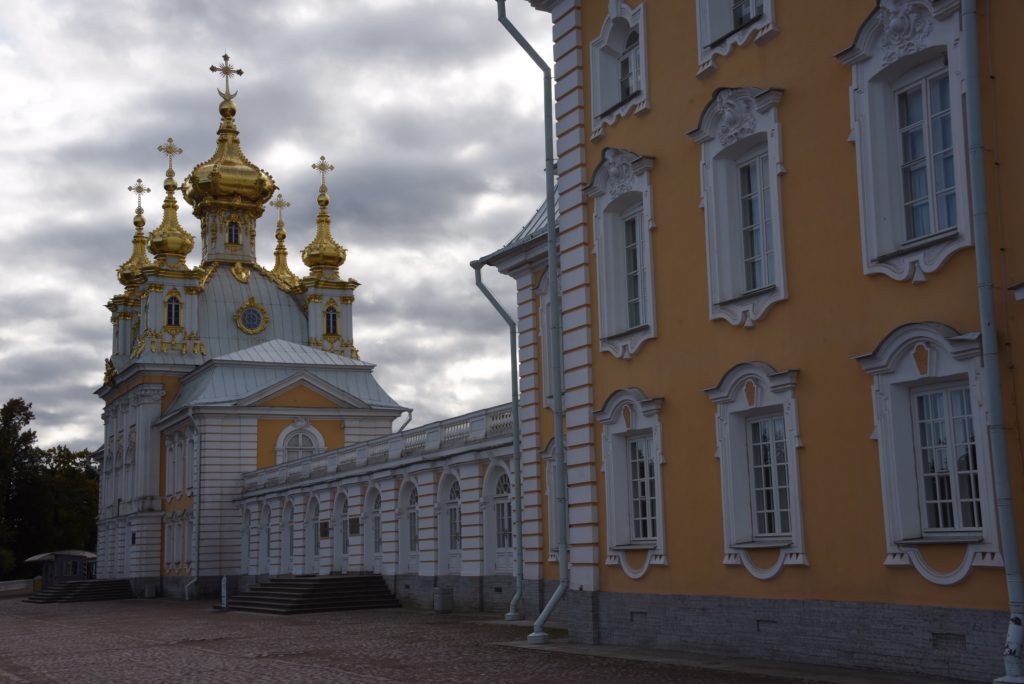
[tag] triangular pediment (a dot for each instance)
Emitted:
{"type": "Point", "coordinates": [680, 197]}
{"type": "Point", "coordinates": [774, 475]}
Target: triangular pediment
{"type": "Point", "coordinates": [302, 390]}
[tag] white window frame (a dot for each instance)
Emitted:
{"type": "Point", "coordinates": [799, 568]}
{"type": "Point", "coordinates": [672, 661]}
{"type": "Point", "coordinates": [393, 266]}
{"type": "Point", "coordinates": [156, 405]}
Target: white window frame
{"type": "Point", "coordinates": [503, 513]}
{"type": "Point", "coordinates": [737, 125]}
{"type": "Point", "coordinates": [607, 53]}
{"type": "Point", "coordinates": [900, 42]}
{"type": "Point", "coordinates": [627, 417]}
{"type": "Point", "coordinates": [453, 516]}
{"type": "Point", "coordinates": [376, 523]}
{"type": "Point", "coordinates": [913, 357]}
{"type": "Point", "coordinates": [621, 189]}
{"type": "Point", "coordinates": [756, 390]}
{"type": "Point", "coordinates": [299, 425]}
{"type": "Point", "coordinates": [947, 424]}
{"type": "Point", "coordinates": [717, 34]}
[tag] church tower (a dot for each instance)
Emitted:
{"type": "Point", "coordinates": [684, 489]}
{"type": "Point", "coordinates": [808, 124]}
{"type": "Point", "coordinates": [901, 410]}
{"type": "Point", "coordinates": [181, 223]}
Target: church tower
{"type": "Point", "coordinates": [219, 369]}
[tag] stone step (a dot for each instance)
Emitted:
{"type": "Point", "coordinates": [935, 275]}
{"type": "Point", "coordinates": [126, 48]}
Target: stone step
{"type": "Point", "coordinates": [289, 595]}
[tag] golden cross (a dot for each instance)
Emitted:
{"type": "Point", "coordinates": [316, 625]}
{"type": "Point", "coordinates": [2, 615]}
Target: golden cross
{"type": "Point", "coordinates": [323, 167]}
{"type": "Point", "coordinates": [139, 189]}
{"type": "Point", "coordinates": [280, 205]}
{"type": "Point", "coordinates": [228, 70]}
{"type": "Point", "coordinates": [170, 149]}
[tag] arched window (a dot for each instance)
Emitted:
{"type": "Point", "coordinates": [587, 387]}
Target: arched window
{"type": "Point", "coordinates": [173, 312]}
{"type": "Point", "coordinates": [618, 67]}
{"type": "Point", "coordinates": [330, 321]}
{"type": "Point", "coordinates": [503, 512]}
{"type": "Point", "coordinates": [412, 517]}
{"type": "Point", "coordinates": [455, 517]}
{"type": "Point", "coordinates": [233, 233]}
{"type": "Point", "coordinates": [299, 445]}
{"type": "Point", "coordinates": [378, 540]}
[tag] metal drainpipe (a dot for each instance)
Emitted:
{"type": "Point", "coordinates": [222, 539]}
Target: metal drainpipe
{"type": "Point", "coordinates": [517, 454]}
{"type": "Point", "coordinates": [408, 419]}
{"type": "Point", "coordinates": [195, 508]}
{"type": "Point", "coordinates": [990, 349]}
{"type": "Point", "coordinates": [554, 348]}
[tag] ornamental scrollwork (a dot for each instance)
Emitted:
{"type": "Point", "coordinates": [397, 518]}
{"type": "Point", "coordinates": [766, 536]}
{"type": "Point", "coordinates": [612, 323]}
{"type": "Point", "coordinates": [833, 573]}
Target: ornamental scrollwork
{"type": "Point", "coordinates": [904, 29]}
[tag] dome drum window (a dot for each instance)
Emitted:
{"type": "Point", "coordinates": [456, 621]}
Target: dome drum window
{"type": "Point", "coordinates": [251, 317]}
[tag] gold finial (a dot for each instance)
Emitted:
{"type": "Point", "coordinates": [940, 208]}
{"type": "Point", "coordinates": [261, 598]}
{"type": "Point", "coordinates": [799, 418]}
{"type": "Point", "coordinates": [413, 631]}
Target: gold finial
{"type": "Point", "coordinates": [228, 70]}
{"type": "Point", "coordinates": [323, 167]}
{"type": "Point", "coordinates": [281, 273]}
{"type": "Point", "coordinates": [129, 272]}
{"type": "Point", "coordinates": [140, 190]}
{"type": "Point", "coordinates": [170, 149]}
{"type": "Point", "coordinates": [281, 205]}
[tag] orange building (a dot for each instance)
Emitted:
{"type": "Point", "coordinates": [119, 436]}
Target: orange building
{"type": "Point", "coordinates": [777, 418]}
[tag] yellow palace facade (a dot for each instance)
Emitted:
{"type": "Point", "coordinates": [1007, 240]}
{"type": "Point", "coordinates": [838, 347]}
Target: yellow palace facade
{"type": "Point", "coordinates": [777, 414]}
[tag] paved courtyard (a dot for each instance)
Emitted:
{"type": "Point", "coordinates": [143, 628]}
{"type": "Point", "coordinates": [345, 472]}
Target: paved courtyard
{"type": "Point", "coordinates": [167, 641]}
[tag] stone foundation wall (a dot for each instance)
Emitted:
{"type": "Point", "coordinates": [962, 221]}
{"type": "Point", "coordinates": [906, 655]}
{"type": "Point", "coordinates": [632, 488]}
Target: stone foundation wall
{"type": "Point", "coordinates": [948, 642]}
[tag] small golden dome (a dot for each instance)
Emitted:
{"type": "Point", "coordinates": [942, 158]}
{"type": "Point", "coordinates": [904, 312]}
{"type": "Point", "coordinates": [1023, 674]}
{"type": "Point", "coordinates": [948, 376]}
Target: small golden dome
{"type": "Point", "coordinates": [130, 271]}
{"type": "Point", "coordinates": [323, 255]}
{"type": "Point", "coordinates": [228, 178]}
{"type": "Point", "coordinates": [170, 239]}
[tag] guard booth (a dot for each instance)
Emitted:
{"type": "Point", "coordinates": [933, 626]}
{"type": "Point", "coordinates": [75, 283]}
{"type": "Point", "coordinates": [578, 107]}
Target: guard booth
{"type": "Point", "coordinates": [63, 566]}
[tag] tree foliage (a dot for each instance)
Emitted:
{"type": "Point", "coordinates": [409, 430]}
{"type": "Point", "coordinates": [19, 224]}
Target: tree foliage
{"type": "Point", "coordinates": [48, 497]}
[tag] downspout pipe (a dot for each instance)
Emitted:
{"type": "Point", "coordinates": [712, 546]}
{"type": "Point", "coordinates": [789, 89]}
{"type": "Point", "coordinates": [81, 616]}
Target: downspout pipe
{"type": "Point", "coordinates": [554, 346]}
{"type": "Point", "coordinates": [517, 454]}
{"type": "Point", "coordinates": [992, 386]}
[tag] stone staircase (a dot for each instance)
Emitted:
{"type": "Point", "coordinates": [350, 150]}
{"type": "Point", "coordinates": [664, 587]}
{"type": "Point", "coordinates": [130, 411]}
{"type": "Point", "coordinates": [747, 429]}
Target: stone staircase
{"type": "Point", "coordinates": [83, 590]}
{"type": "Point", "coordinates": [290, 595]}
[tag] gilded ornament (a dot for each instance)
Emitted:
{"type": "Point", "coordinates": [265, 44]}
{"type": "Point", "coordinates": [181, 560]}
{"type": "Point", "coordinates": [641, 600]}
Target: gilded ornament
{"type": "Point", "coordinates": [130, 272]}
{"type": "Point", "coordinates": [170, 243]}
{"type": "Point", "coordinates": [281, 274]}
{"type": "Point", "coordinates": [251, 318]}
{"type": "Point", "coordinates": [227, 180]}
{"type": "Point", "coordinates": [323, 255]}
{"type": "Point", "coordinates": [240, 272]}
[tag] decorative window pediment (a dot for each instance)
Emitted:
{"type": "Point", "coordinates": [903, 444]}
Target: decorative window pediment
{"type": "Point", "coordinates": [908, 128]}
{"type": "Point", "coordinates": [725, 24]}
{"type": "Point", "coordinates": [618, 63]}
{"type": "Point", "coordinates": [930, 425]}
{"type": "Point", "coordinates": [741, 164]}
{"type": "Point", "coordinates": [631, 460]}
{"type": "Point", "coordinates": [758, 435]}
{"type": "Point", "coordinates": [623, 222]}
{"type": "Point", "coordinates": [299, 440]}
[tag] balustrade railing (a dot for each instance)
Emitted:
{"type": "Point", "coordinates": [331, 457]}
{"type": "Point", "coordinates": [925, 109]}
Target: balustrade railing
{"type": "Point", "coordinates": [446, 434]}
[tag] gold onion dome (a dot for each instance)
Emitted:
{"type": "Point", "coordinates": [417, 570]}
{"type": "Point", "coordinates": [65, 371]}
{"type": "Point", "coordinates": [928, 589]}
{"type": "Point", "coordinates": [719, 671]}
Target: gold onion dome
{"type": "Point", "coordinates": [323, 254]}
{"type": "Point", "coordinates": [228, 178]}
{"type": "Point", "coordinates": [130, 271]}
{"type": "Point", "coordinates": [170, 239]}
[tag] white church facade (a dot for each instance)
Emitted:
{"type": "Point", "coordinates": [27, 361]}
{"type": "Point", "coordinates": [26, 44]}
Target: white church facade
{"type": "Point", "coordinates": [245, 438]}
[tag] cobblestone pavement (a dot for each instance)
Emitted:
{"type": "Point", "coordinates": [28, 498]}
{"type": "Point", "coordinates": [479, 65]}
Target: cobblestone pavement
{"type": "Point", "coordinates": [168, 641]}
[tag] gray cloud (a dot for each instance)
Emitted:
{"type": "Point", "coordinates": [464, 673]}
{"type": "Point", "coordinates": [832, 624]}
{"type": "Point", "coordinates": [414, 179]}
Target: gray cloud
{"type": "Point", "coordinates": [437, 144]}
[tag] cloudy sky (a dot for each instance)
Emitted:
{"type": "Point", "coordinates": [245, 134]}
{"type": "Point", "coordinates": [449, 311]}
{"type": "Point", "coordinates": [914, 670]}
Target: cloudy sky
{"type": "Point", "coordinates": [429, 110]}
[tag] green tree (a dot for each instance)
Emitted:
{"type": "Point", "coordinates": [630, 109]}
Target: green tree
{"type": "Point", "coordinates": [48, 497]}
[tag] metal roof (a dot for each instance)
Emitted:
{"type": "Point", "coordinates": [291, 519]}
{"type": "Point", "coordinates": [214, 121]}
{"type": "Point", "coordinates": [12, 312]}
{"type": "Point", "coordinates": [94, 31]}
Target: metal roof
{"type": "Point", "coordinates": [230, 379]}
{"type": "Point", "coordinates": [536, 227]}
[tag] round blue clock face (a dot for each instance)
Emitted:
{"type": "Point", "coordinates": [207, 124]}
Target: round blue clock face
{"type": "Point", "coordinates": [251, 318]}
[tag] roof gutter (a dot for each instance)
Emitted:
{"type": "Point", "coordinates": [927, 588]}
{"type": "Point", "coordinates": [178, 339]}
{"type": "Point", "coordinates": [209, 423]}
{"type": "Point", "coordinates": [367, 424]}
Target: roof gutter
{"type": "Point", "coordinates": [554, 346]}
